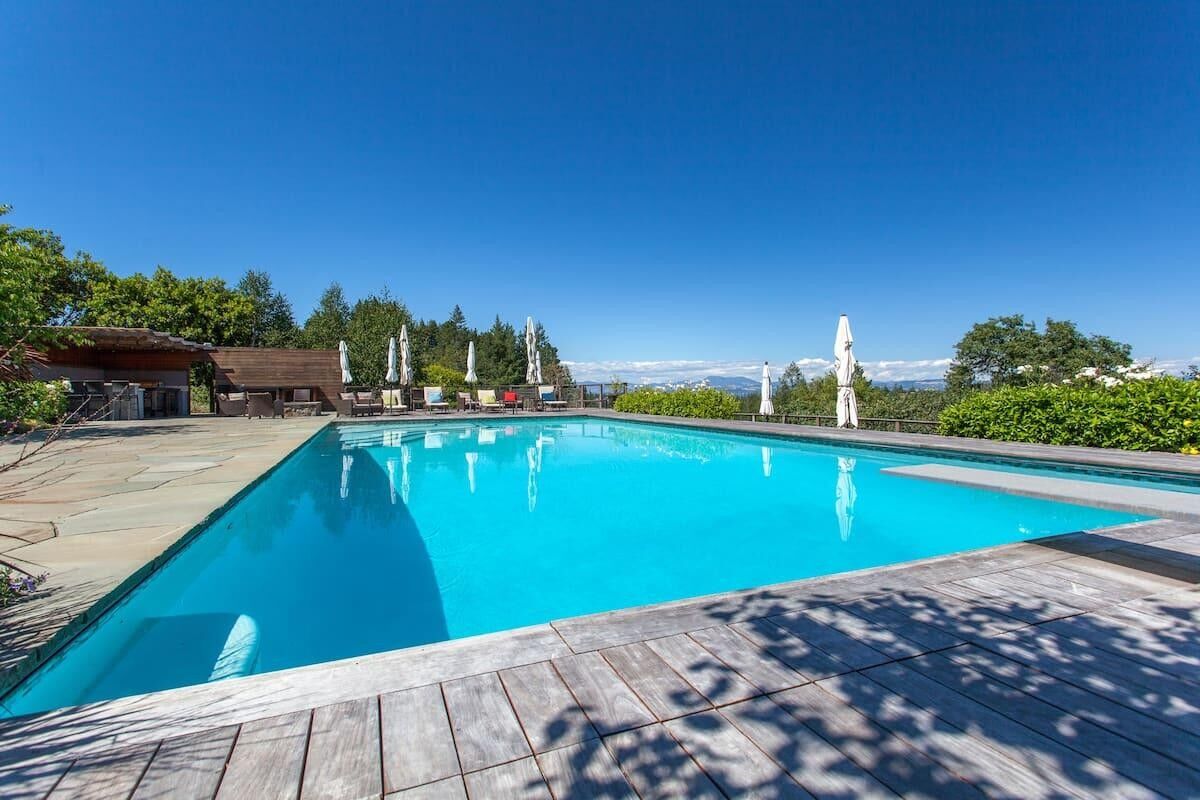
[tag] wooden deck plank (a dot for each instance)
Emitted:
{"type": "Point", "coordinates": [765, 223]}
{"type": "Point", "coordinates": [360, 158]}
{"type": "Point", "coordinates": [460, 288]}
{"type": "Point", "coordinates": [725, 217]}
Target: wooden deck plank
{"type": "Point", "coordinates": [1115, 584]}
{"type": "Point", "coordinates": [546, 708]}
{"type": "Point", "coordinates": [994, 773]}
{"type": "Point", "coordinates": [1144, 688]}
{"type": "Point", "coordinates": [756, 660]}
{"type": "Point", "coordinates": [881, 613]}
{"type": "Point", "coordinates": [875, 749]}
{"type": "Point", "coordinates": [810, 662]}
{"type": "Point", "coordinates": [1176, 656]}
{"type": "Point", "coordinates": [516, 780]}
{"type": "Point", "coordinates": [665, 693]}
{"type": "Point", "coordinates": [188, 767]}
{"type": "Point", "coordinates": [486, 730]}
{"type": "Point", "coordinates": [104, 776]}
{"type": "Point", "coordinates": [343, 761]}
{"type": "Point", "coordinates": [1050, 759]}
{"type": "Point", "coordinates": [658, 767]}
{"type": "Point", "coordinates": [831, 641]}
{"type": "Point", "coordinates": [445, 789]}
{"type": "Point", "coordinates": [586, 770]}
{"type": "Point", "coordinates": [608, 702]}
{"type": "Point", "coordinates": [1063, 596]}
{"type": "Point", "coordinates": [418, 745]}
{"type": "Point", "coordinates": [1106, 714]}
{"type": "Point", "coordinates": [816, 765]}
{"type": "Point", "coordinates": [704, 671]}
{"type": "Point", "coordinates": [730, 759]}
{"type": "Point", "coordinates": [881, 638]}
{"type": "Point", "coordinates": [1102, 752]}
{"type": "Point", "coordinates": [958, 618]}
{"type": "Point", "coordinates": [1010, 600]}
{"type": "Point", "coordinates": [267, 759]}
{"type": "Point", "coordinates": [32, 781]}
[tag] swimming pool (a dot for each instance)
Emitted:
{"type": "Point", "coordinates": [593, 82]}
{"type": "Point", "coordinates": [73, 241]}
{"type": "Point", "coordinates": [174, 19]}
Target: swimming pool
{"type": "Point", "coordinates": [375, 537]}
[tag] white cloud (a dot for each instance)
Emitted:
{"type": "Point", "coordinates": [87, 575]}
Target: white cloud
{"type": "Point", "coordinates": [693, 369]}
{"type": "Point", "coordinates": [683, 369]}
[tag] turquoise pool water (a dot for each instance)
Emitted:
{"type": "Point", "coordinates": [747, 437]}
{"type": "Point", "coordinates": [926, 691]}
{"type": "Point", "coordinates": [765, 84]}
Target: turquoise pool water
{"type": "Point", "coordinates": [377, 537]}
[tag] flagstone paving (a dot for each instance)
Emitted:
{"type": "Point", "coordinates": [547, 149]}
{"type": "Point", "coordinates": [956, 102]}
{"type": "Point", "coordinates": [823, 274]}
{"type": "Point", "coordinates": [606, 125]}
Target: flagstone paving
{"type": "Point", "coordinates": [96, 509]}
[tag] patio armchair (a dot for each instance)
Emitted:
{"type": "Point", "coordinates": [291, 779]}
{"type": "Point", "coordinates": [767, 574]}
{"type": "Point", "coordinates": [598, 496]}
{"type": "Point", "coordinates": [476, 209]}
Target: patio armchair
{"type": "Point", "coordinates": [231, 404]}
{"type": "Point", "coordinates": [368, 402]}
{"type": "Point", "coordinates": [548, 399]}
{"type": "Point", "coordinates": [393, 401]}
{"type": "Point", "coordinates": [434, 401]}
{"type": "Point", "coordinates": [512, 400]}
{"type": "Point", "coordinates": [260, 404]}
{"type": "Point", "coordinates": [487, 400]}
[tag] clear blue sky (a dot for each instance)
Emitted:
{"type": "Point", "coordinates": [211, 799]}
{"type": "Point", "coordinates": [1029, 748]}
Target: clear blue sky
{"type": "Point", "coordinates": [656, 182]}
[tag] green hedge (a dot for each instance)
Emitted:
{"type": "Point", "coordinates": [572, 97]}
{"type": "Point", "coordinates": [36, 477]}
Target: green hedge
{"type": "Point", "coordinates": [1159, 414]}
{"type": "Point", "coordinates": [705, 403]}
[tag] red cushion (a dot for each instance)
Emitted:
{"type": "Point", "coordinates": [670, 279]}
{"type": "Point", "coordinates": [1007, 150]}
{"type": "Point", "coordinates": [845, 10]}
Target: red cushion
{"type": "Point", "coordinates": [510, 397]}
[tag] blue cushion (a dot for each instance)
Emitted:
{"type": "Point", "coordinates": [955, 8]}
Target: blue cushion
{"type": "Point", "coordinates": [547, 395]}
{"type": "Point", "coordinates": [433, 397]}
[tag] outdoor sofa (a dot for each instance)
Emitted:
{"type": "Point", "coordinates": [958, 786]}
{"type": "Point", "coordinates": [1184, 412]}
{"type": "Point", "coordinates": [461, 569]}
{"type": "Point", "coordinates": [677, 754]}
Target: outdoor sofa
{"type": "Point", "coordinates": [231, 404]}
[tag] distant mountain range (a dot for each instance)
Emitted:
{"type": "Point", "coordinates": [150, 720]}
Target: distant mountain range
{"type": "Point", "coordinates": [741, 386]}
{"type": "Point", "coordinates": [733, 384]}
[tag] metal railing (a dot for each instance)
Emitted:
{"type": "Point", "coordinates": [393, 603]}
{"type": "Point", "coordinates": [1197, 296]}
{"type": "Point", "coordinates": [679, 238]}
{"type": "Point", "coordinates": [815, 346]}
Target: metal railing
{"type": "Point", "coordinates": [864, 423]}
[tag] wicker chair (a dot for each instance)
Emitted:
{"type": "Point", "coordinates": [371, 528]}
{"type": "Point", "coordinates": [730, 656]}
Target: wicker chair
{"type": "Point", "coordinates": [231, 404]}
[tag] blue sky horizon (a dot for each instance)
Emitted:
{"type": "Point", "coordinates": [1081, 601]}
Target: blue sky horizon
{"type": "Point", "coordinates": [673, 191]}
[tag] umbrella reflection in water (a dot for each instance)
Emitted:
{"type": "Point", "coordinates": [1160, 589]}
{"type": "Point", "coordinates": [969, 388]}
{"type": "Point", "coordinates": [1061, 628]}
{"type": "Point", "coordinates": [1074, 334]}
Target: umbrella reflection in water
{"type": "Point", "coordinates": [766, 459]}
{"type": "Point", "coordinates": [347, 462]}
{"type": "Point", "coordinates": [846, 495]}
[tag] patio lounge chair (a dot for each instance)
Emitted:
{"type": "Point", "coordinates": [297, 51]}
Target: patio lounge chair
{"type": "Point", "coordinates": [260, 404]}
{"type": "Point", "coordinates": [231, 404]}
{"type": "Point", "coordinates": [487, 400]}
{"type": "Point", "coordinates": [393, 401]}
{"type": "Point", "coordinates": [548, 399]}
{"type": "Point", "coordinates": [512, 400]}
{"type": "Point", "coordinates": [466, 402]}
{"type": "Point", "coordinates": [434, 401]}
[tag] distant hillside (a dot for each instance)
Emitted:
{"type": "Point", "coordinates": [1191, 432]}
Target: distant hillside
{"type": "Point", "coordinates": [734, 385]}
{"type": "Point", "coordinates": [928, 383]}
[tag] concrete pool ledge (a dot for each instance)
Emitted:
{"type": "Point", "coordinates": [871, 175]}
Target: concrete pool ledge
{"type": "Point", "coordinates": [1115, 497]}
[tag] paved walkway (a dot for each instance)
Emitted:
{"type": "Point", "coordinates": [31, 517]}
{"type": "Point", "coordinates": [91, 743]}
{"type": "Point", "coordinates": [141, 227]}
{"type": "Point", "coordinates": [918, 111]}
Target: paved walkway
{"type": "Point", "coordinates": [103, 505]}
{"type": "Point", "coordinates": [1063, 668]}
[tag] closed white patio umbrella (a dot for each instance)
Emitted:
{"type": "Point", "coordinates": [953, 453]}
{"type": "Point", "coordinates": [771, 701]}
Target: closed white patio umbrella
{"type": "Point", "coordinates": [344, 358]}
{"type": "Point", "coordinates": [844, 363]}
{"type": "Point", "coordinates": [537, 367]}
{"type": "Point", "coordinates": [471, 376]}
{"type": "Point", "coordinates": [392, 375]}
{"type": "Point", "coordinates": [406, 369]}
{"type": "Point", "coordinates": [531, 375]}
{"type": "Point", "coordinates": [765, 406]}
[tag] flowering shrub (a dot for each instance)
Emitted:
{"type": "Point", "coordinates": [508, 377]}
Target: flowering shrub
{"type": "Point", "coordinates": [1152, 413]}
{"type": "Point", "coordinates": [32, 402]}
{"type": "Point", "coordinates": [16, 585]}
{"type": "Point", "coordinates": [703, 403]}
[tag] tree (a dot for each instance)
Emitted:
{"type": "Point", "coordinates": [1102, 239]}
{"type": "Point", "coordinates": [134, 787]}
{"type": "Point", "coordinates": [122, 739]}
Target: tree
{"type": "Point", "coordinates": [62, 285]}
{"type": "Point", "coordinates": [326, 326]}
{"type": "Point", "coordinates": [373, 321]}
{"type": "Point", "coordinates": [273, 324]}
{"type": "Point", "coordinates": [200, 309]}
{"type": "Point", "coordinates": [1008, 350]}
{"type": "Point", "coordinates": [501, 355]}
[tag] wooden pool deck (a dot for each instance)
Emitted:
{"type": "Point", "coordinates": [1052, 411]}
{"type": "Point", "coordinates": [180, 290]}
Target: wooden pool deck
{"type": "Point", "coordinates": [1062, 667]}
{"type": "Point", "coordinates": [1066, 667]}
